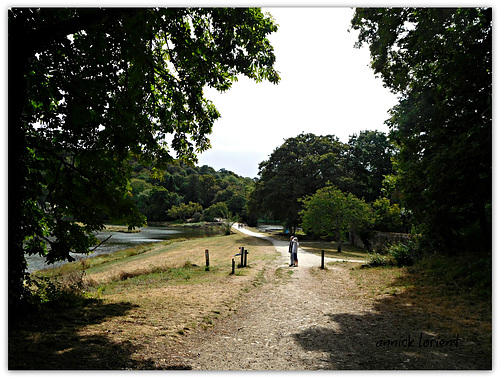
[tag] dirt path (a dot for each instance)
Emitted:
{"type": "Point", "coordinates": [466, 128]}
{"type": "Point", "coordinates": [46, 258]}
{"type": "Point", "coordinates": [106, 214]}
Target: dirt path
{"type": "Point", "coordinates": [316, 320]}
{"type": "Point", "coordinates": [305, 259]}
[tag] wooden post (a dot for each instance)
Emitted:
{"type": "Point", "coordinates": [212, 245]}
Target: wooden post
{"type": "Point", "coordinates": [245, 264]}
{"type": "Point", "coordinates": [322, 259]}
{"type": "Point", "coordinates": [242, 253]}
{"type": "Point", "coordinates": [207, 257]}
{"type": "Point", "coordinates": [232, 272]}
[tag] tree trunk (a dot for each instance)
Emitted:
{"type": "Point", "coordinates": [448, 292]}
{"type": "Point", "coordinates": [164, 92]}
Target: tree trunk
{"type": "Point", "coordinates": [18, 172]}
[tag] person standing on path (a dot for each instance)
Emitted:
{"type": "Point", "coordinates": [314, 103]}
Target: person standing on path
{"type": "Point", "coordinates": [295, 249]}
{"type": "Point", "coordinates": [290, 251]}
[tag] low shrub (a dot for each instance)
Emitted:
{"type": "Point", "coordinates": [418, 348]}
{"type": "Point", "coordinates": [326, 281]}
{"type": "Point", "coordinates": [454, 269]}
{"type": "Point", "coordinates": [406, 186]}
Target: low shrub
{"type": "Point", "coordinates": [378, 260]}
{"type": "Point", "coordinates": [398, 254]}
{"type": "Point", "coordinates": [58, 292]}
{"type": "Point", "coordinates": [401, 254]}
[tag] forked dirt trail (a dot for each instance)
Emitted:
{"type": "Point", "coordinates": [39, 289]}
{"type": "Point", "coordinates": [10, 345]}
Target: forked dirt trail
{"type": "Point", "coordinates": [318, 320]}
{"type": "Point", "coordinates": [264, 335]}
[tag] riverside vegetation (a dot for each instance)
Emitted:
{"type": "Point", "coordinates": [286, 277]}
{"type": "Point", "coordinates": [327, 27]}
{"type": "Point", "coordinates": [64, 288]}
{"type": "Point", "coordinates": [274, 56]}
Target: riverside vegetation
{"type": "Point", "coordinates": [133, 308]}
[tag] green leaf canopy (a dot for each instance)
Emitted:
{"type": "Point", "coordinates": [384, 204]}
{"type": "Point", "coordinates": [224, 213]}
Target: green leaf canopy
{"type": "Point", "coordinates": [331, 212]}
{"type": "Point", "coordinates": [89, 87]}
{"type": "Point", "coordinates": [296, 169]}
{"type": "Point", "coordinates": [440, 62]}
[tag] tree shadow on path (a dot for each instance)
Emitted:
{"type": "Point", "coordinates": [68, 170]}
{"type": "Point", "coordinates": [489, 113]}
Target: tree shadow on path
{"type": "Point", "coordinates": [390, 339]}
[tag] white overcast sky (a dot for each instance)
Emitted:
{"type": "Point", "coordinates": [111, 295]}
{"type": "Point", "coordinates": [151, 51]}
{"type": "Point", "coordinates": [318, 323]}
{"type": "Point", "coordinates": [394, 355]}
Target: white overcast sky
{"type": "Point", "coordinates": [326, 87]}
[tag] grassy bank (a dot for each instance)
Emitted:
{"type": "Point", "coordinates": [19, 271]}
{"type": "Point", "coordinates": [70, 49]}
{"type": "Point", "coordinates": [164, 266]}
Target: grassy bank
{"type": "Point", "coordinates": [140, 301]}
{"type": "Point", "coordinates": [452, 295]}
{"type": "Point", "coordinates": [120, 229]}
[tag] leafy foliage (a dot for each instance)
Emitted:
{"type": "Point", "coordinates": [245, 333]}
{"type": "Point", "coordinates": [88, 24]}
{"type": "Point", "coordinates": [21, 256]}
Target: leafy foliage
{"type": "Point", "coordinates": [399, 254]}
{"type": "Point", "coordinates": [378, 260]}
{"type": "Point", "coordinates": [90, 86]}
{"type": "Point", "coordinates": [440, 62]}
{"type": "Point", "coordinates": [184, 211]}
{"type": "Point", "coordinates": [404, 254]}
{"type": "Point", "coordinates": [296, 169]}
{"type": "Point", "coordinates": [331, 212]}
{"type": "Point", "coordinates": [157, 193]}
{"type": "Point", "coordinates": [306, 163]}
{"type": "Point", "coordinates": [216, 211]}
{"type": "Point", "coordinates": [388, 217]}
{"type": "Point", "coordinates": [369, 160]}
{"type": "Point", "coordinates": [155, 202]}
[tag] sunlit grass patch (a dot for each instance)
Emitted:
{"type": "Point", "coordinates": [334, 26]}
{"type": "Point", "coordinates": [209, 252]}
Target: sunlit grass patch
{"type": "Point", "coordinates": [381, 280]}
{"type": "Point", "coordinates": [157, 276]}
{"type": "Point", "coordinates": [448, 293]}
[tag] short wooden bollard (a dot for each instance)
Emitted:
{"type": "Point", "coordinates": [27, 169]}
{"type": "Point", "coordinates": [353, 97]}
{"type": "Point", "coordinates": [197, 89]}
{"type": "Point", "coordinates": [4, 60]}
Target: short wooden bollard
{"type": "Point", "coordinates": [232, 271]}
{"type": "Point", "coordinates": [322, 259]}
{"type": "Point", "coordinates": [242, 249]}
{"type": "Point", "coordinates": [207, 258]}
{"type": "Point", "coordinates": [246, 253]}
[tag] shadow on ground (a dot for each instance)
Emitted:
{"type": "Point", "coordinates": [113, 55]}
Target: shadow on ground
{"type": "Point", "coordinates": [393, 338]}
{"type": "Point", "coordinates": [51, 340]}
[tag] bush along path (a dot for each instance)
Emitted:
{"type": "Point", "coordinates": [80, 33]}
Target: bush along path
{"type": "Point", "coordinates": [305, 318]}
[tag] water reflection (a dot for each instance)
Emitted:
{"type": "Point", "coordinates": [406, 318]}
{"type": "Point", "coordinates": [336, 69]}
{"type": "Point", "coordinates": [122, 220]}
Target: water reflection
{"type": "Point", "coordinates": [120, 241]}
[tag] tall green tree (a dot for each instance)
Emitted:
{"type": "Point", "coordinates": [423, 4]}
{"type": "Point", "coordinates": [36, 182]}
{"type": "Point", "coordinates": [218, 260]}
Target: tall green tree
{"type": "Point", "coordinates": [90, 86]}
{"type": "Point", "coordinates": [216, 211]}
{"type": "Point", "coordinates": [154, 203]}
{"type": "Point", "coordinates": [299, 167]}
{"type": "Point", "coordinates": [368, 162]}
{"type": "Point", "coordinates": [388, 217]}
{"type": "Point", "coordinates": [439, 61]}
{"type": "Point", "coordinates": [331, 212]}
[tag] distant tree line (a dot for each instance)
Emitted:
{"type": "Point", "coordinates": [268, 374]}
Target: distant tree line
{"type": "Point", "coordinates": [295, 171]}
{"type": "Point", "coordinates": [187, 192]}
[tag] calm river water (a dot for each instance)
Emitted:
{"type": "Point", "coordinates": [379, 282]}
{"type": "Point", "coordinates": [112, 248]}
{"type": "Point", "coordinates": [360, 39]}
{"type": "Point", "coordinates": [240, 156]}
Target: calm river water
{"type": "Point", "coordinates": [120, 241]}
